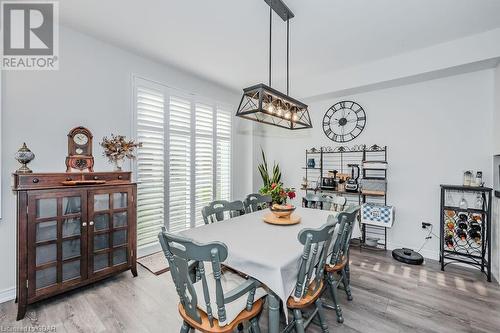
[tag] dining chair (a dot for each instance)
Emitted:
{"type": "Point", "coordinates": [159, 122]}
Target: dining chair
{"type": "Point", "coordinates": [335, 203]}
{"type": "Point", "coordinates": [256, 201]}
{"type": "Point", "coordinates": [310, 280]}
{"type": "Point", "coordinates": [336, 268]}
{"type": "Point", "coordinates": [217, 302]}
{"type": "Point", "coordinates": [216, 210]}
{"type": "Point", "coordinates": [313, 201]}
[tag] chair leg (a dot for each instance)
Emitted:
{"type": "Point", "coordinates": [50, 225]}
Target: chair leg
{"type": "Point", "coordinates": [347, 287]}
{"type": "Point", "coordinates": [254, 325]}
{"type": "Point", "coordinates": [185, 328]}
{"type": "Point", "coordinates": [299, 321]}
{"type": "Point", "coordinates": [333, 292]}
{"type": "Point", "coordinates": [321, 315]}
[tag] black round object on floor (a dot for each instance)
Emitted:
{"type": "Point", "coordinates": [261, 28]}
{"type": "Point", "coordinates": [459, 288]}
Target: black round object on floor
{"type": "Point", "coordinates": [408, 256]}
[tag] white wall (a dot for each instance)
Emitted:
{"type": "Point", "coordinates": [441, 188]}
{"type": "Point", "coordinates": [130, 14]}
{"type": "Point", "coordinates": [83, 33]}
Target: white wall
{"type": "Point", "coordinates": [93, 88]}
{"type": "Point", "coordinates": [434, 131]}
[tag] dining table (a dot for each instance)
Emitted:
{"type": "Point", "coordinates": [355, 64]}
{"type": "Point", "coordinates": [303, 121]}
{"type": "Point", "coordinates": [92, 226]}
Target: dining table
{"type": "Point", "coordinates": [266, 252]}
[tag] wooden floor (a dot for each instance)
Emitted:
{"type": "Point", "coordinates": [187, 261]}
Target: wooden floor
{"type": "Point", "coordinates": [388, 297]}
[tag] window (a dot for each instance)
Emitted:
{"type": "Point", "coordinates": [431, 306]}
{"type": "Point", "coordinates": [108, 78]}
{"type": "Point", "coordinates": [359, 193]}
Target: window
{"type": "Point", "coordinates": [150, 163]}
{"type": "Point", "coordinates": [185, 161]}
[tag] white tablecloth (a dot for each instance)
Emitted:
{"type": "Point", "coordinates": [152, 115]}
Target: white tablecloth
{"type": "Point", "coordinates": [268, 253]}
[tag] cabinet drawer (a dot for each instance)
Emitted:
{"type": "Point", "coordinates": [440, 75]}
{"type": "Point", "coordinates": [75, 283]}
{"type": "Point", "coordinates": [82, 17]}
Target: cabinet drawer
{"type": "Point", "coordinates": [108, 176]}
{"type": "Point", "coordinates": [39, 180]}
{"type": "Point", "coordinates": [55, 180]}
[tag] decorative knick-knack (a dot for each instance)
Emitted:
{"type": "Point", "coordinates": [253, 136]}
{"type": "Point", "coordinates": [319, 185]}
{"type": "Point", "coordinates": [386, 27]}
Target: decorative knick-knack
{"type": "Point", "coordinates": [311, 163]}
{"type": "Point", "coordinates": [479, 201]}
{"type": "Point", "coordinates": [24, 156]}
{"type": "Point", "coordinates": [463, 203]}
{"type": "Point", "coordinates": [468, 175]}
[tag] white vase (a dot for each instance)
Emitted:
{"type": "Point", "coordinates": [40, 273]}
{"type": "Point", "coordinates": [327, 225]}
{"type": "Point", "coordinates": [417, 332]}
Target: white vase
{"type": "Point", "coordinates": [118, 164]}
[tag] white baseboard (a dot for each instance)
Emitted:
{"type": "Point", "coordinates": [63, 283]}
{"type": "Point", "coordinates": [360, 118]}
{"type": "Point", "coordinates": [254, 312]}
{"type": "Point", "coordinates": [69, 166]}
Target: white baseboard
{"type": "Point", "coordinates": [7, 294]}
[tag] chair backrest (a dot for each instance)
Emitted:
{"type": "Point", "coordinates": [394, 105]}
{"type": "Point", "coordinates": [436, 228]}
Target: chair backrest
{"type": "Point", "coordinates": [215, 210]}
{"type": "Point", "coordinates": [256, 201]}
{"type": "Point", "coordinates": [335, 203]}
{"type": "Point", "coordinates": [181, 253]}
{"type": "Point", "coordinates": [312, 263]}
{"type": "Point", "coordinates": [313, 200]}
{"type": "Point", "coordinates": [346, 220]}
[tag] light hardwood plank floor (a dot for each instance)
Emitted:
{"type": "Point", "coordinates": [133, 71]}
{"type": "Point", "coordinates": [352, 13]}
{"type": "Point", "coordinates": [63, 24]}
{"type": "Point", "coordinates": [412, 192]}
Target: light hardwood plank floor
{"type": "Point", "coordinates": [388, 297]}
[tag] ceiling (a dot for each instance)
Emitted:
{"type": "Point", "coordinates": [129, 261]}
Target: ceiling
{"type": "Point", "coordinates": [226, 41]}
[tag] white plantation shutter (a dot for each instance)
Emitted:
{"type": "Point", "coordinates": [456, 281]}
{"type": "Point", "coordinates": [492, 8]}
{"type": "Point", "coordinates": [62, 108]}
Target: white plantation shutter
{"type": "Point", "coordinates": [223, 146]}
{"type": "Point", "coordinates": [150, 164]}
{"type": "Point", "coordinates": [185, 161]}
{"type": "Point", "coordinates": [204, 159]}
{"type": "Point", "coordinates": [179, 164]}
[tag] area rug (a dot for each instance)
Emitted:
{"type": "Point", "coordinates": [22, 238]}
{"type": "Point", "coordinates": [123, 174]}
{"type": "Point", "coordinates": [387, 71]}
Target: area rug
{"type": "Point", "coordinates": [156, 263]}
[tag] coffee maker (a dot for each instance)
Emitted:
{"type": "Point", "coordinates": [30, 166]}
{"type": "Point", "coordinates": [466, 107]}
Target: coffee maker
{"type": "Point", "coordinates": [352, 184]}
{"type": "Point", "coordinates": [330, 182]}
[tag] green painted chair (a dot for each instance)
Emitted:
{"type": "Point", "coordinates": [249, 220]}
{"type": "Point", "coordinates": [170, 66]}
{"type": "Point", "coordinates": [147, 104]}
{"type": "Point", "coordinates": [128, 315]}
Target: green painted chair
{"type": "Point", "coordinates": [313, 201]}
{"type": "Point", "coordinates": [216, 210]}
{"type": "Point", "coordinates": [216, 302]}
{"type": "Point", "coordinates": [256, 201]}
{"type": "Point", "coordinates": [338, 263]}
{"type": "Point", "coordinates": [334, 203]}
{"type": "Point", "coordinates": [310, 280]}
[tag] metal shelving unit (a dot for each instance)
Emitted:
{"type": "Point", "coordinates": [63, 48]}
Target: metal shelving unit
{"type": "Point", "coordinates": [338, 158]}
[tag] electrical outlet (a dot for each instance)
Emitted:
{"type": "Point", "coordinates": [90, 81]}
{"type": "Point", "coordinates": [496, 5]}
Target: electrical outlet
{"type": "Point", "coordinates": [425, 225]}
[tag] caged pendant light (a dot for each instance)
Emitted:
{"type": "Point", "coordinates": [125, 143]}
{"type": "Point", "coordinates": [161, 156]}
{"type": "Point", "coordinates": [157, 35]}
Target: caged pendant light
{"type": "Point", "coordinates": [264, 104]}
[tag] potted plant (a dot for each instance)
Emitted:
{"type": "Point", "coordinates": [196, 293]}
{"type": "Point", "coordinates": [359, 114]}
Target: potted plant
{"type": "Point", "coordinates": [272, 184]}
{"type": "Point", "coordinates": [117, 148]}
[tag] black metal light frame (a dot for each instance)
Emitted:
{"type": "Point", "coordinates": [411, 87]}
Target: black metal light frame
{"type": "Point", "coordinates": [264, 104]}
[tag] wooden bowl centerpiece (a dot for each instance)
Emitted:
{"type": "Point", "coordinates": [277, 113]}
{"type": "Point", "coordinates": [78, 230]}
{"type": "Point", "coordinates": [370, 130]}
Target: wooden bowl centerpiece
{"type": "Point", "coordinates": [282, 211]}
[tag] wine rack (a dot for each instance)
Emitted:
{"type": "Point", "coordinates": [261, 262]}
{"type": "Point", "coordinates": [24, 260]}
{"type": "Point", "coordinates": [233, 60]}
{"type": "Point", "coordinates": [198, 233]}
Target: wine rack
{"type": "Point", "coordinates": [465, 228]}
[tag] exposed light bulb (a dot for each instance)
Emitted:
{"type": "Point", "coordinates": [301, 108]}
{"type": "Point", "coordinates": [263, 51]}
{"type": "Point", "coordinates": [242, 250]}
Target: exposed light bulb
{"type": "Point", "coordinates": [287, 115]}
{"type": "Point", "coordinates": [295, 117]}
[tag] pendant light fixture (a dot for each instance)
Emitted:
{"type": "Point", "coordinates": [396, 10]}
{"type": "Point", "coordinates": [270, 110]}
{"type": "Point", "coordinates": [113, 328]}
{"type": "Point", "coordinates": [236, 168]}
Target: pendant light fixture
{"type": "Point", "coordinates": [264, 104]}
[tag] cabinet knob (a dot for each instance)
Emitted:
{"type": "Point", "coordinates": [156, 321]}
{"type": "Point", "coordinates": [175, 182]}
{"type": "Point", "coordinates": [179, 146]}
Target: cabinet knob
{"type": "Point", "coordinates": [91, 223]}
{"type": "Point", "coordinates": [84, 224]}
{"type": "Point", "coordinates": [35, 180]}
{"type": "Point", "coordinates": [96, 178]}
{"type": "Point", "coordinates": [68, 179]}
{"type": "Point", "coordinates": [120, 177]}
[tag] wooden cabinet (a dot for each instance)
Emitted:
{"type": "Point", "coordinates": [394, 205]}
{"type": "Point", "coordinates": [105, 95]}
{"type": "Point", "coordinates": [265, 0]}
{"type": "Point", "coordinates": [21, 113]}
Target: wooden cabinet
{"type": "Point", "coordinates": [69, 236]}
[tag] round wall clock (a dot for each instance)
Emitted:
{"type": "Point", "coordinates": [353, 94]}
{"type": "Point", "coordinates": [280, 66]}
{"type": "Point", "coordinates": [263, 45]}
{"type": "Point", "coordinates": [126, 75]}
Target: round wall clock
{"type": "Point", "coordinates": [344, 121]}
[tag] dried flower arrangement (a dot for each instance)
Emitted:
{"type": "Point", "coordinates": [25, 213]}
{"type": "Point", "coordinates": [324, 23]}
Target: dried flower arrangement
{"type": "Point", "coordinates": [117, 148]}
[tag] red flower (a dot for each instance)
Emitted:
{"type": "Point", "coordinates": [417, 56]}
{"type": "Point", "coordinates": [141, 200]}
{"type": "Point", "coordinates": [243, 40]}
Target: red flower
{"type": "Point", "coordinates": [291, 194]}
{"type": "Point", "coordinates": [273, 185]}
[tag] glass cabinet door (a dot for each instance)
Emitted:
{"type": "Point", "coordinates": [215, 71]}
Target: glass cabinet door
{"type": "Point", "coordinates": [109, 212]}
{"type": "Point", "coordinates": [57, 248]}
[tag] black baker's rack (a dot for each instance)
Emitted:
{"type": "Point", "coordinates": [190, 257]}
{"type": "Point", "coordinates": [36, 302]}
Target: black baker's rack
{"type": "Point", "coordinates": [474, 252]}
{"type": "Point", "coordinates": [338, 158]}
